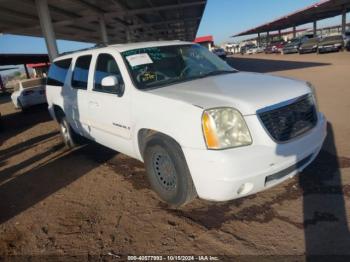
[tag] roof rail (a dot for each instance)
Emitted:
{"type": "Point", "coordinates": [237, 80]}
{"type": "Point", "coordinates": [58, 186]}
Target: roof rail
{"type": "Point", "coordinates": [99, 45]}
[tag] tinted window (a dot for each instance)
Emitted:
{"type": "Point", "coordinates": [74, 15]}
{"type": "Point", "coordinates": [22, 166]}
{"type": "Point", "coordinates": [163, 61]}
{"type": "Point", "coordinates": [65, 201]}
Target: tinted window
{"type": "Point", "coordinates": [58, 72]}
{"type": "Point", "coordinates": [81, 72]}
{"type": "Point", "coordinates": [106, 66]}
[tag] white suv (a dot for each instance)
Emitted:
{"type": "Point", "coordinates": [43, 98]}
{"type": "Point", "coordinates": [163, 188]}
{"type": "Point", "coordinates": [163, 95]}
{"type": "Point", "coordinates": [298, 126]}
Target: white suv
{"type": "Point", "coordinates": [201, 127]}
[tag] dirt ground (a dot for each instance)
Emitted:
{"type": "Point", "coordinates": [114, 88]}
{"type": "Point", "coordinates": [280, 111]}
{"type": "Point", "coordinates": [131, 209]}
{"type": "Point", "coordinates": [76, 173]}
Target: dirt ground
{"type": "Point", "coordinates": [95, 202]}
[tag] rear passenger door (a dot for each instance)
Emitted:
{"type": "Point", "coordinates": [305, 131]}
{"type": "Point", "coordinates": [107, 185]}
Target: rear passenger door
{"type": "Point", "coordinates": [76, 97]}
{"type": "Point", "coordinates": [109, 107]}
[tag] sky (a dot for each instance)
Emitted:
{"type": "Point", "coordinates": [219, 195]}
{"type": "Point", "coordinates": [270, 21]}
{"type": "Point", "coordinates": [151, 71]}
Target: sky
{"type": "Point", "coordinates": [222, 18]}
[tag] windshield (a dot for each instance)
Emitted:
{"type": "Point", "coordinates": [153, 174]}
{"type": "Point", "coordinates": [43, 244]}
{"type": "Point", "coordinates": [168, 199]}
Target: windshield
{"type": "Point", "coordinates": [332, 38]}
{"type": "Point", "coordinates": [159, 66]}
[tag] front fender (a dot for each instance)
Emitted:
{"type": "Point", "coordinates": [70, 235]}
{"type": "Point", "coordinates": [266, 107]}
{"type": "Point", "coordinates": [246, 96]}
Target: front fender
{"type": "Point", "coordinates": [176, 119]}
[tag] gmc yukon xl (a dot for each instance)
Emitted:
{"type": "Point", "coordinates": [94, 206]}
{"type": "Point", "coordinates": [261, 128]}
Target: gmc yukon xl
{"type": "Point", "coordinates": [200, 126]}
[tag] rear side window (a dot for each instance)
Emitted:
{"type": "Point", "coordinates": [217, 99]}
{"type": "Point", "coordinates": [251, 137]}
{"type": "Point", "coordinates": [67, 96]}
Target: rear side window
{"type": "Point", "coordinates": [58, 72]}
{"type": "Point", "coordinates": [81, 72]}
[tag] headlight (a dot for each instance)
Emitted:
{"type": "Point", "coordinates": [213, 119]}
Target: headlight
{"type": "Point", "coordinates": [313, 90]}
{"type": "Point", "coordinates": [225, 128]}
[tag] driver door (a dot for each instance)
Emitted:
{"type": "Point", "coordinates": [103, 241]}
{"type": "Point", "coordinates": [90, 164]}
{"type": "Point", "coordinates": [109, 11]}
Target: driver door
{"type": "Point", "coordinates": [109, 107]}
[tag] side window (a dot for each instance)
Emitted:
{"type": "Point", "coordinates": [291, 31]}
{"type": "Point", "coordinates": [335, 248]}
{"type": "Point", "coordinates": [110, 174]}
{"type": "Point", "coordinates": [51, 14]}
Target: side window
{"type": "Point", "coordinates": [106, 66]}
{"type": "Point", "coordinates": [81, 72]}
{"type": "Point", "coordinates": [58, 72]}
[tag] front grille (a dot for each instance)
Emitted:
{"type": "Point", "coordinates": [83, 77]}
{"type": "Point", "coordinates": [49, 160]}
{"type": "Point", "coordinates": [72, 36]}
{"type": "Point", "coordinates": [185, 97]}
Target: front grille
{"type": "Point", "coordinates": [292, 120]}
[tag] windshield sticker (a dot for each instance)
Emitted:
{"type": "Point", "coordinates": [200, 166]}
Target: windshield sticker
{"type": "Point", "coordinates": [139, 59]}
{"type": "Point", "coordinates": [148, 77]}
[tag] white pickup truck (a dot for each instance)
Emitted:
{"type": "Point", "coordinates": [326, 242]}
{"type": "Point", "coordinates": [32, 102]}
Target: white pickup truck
{"type": "Point", "coordinates": [201, 127]}
{"type": "Point", "coordinates": [28, 93]}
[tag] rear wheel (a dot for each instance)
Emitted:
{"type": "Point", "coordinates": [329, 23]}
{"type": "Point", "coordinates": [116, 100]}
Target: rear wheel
{"type": "Point", "coordinates": [70, 138]}
{"type": "Point", "coordinates": [20, 105]}
{"type": "Point", "coordinates": [168, 172]}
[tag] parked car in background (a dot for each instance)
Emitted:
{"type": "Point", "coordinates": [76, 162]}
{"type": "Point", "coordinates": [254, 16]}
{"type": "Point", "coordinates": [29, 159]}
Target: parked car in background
{"type": "Point", "coordinates": [293, 45]}
{"type": "Point", "coordinates": [310, 46]}
{"type": "Point", "coordinates": [334, 43]}
{"type": "Point", "coordinates": [251, 50]}
{"type": "Point", "coordinates": [347, 47]}
{"type": "Point", "coordinates": [346, 37]}
{"type": "Point", "coordinates": [200, 126]}
{"type": "Point", "coordinates": [245, 48]}
{"type": "Point", "coordinates": [220, 52]}
{"type": "Point", "coordinates": [29, 92]}
{"type": "Point", "coordinates": [255, 50]}
{"type": "Point", "coordinates": [275, 47]}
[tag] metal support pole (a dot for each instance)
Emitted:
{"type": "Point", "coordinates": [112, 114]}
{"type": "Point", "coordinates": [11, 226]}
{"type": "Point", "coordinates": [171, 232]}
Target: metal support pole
{"type": "Point", "coordinates": [294, 32]}
{"type": "Point", "coordinates": [103, 30]}
{"type": "Point", "coordinates": [279, 34]}
{"type": "Point", "coordinates": [128, 35]}
{"type": "Point", "coordinates": [315, 28]}
{"type": "Point", "coordinates": [47, 28]}
{"type": "Point", "coordinates": [259, 39]}
{"type": "Point", "coordinates": [343, 21]}
{"type": "Point", "coordinates": [26, 70]}
{"type": "Point", "coordinates": [267, 37]}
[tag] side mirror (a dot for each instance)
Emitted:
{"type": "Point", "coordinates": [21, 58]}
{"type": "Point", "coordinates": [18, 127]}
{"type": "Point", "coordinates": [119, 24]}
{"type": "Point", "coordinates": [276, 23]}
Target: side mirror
{"type": "Point", "coordinates": [110, 81]}
{"type": "Point", "coordinates": [112, 84]}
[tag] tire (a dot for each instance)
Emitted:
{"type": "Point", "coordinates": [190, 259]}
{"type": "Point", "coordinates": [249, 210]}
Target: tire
{"type": "Point", "coordinates": [168, 172]}
{"type": "Point", "coordinates": [20, 106]}
{"type": "Point", "coordinates": [69, 137]}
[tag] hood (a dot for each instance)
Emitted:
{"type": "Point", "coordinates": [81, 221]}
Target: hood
{"type": "Point", "coordinates": [291, 45]}
{"type": "Point", "coordinates": [247, 92]}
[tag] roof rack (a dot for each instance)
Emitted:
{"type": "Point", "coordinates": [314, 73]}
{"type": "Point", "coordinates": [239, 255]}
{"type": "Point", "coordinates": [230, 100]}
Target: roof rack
{"type": "Point", "coordinates": [99, 45]}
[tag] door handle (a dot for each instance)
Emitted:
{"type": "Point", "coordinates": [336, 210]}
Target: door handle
{"type": "Point", "coordinates": [93, 104]}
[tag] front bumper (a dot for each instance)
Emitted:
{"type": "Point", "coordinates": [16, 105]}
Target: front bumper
{"type": "Point", "coordinates": [329, 48]}
{"type": "Point", "coordinates": [290, 50]}
{"type": "Point", "coordinates": [223, 175]}
{"type": "Point", "coordinates": [308, 50]}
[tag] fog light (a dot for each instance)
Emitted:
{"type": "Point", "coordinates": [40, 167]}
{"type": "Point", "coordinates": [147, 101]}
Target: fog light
{"type": "Point", "coordinates": [245, 188]}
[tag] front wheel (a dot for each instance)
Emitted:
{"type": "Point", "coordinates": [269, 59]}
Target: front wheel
{"type": "Point", "coordinates": [168, 172]}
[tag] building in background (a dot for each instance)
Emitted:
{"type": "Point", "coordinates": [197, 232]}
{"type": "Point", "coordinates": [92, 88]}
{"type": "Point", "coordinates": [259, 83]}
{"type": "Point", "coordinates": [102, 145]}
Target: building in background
{"type": "Point", "coordinates": [39, 69]}
{"type": "Point", "coordinates": [206, 41]}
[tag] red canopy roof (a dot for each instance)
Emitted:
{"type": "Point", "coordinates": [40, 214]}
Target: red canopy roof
{"type": "Point", "coordinates": [203, 39]}
{"type": "Point", "coordinates": [37, 65]}
{"type": "Point", "coordinates": [321, 10]}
